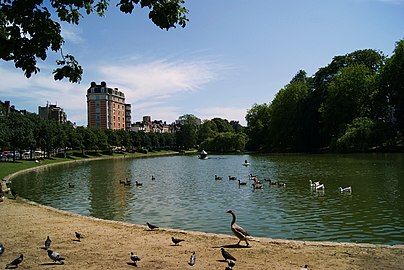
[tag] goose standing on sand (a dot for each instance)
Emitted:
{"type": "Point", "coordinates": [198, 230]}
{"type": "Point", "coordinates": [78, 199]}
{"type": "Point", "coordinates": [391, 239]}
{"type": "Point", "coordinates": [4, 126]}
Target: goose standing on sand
{"type": "Point", "coordinates": [1, 249]}
{"type": "Point", "coordinates": [238, 231]}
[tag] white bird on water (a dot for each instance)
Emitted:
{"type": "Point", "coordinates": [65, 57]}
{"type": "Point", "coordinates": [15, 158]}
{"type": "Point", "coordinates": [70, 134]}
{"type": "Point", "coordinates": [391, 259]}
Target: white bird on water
{"type": "Point", "coordinates": [238, 231]}
{"type": "Point", "coordinates": [345, 189]}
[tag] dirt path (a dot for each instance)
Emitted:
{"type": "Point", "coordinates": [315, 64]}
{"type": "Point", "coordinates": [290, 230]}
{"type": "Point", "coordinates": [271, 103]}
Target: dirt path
{"type": "Point", "coordinates": [107, 244]}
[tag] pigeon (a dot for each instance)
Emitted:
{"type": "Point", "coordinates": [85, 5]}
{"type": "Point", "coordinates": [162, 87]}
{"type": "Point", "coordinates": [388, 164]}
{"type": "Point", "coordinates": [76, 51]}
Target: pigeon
{"type": "Point", "coordinates": [55, 256]}
{"type": "Point", "coordinates": [78, 235]}
{"type": "Point", "coordinates": [227, 256]}
{"type": "Point", "coordinates": [48, 242]}
{"type": "Point", "coordinates": [134, 258]}
{"type": "Point", "coordinates": [192, 259]}
{"type": "Point", "coordinates": [176, 241]}
{"type": "Point", "coordinates": [151, 226]}
{"type": "Point", "coordinates": [16, 262]}
{"type": "Point", "coordinates": [1, 249]}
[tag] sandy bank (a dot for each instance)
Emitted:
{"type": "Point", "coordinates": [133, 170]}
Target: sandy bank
{"type": "Point", "coordinates": [24, 227]}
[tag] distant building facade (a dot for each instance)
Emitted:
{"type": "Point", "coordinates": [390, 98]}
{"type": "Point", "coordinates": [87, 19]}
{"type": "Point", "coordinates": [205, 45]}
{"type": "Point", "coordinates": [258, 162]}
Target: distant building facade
{"type": "Point", "coordinates": [156, 126]}
{"type": "Point", "coordinates": [52, 112]}
{"type": "Point", "coordinates": [6, 108]}
{"type": "Point", "coordinates": [106, 108]}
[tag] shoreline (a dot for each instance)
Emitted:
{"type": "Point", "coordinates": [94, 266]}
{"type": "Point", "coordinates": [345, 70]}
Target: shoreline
{"type": "Point", "coordinates": [265, 253]}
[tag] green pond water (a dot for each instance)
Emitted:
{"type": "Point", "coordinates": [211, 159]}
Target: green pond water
{"type": "Point", "coordinates": [185, 194]}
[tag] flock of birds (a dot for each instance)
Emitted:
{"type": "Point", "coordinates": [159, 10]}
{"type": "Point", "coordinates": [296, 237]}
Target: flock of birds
{"type": "Point", "coordinates": [237, 230]}
{"type": "Point", "coordinates": [317, 186]}
{"type": "Point", "coordinates": [56, 258]}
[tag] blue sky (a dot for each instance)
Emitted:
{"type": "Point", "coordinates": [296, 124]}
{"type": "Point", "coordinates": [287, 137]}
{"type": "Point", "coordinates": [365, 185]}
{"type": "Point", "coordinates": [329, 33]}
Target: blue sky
{"type": "Point", "coordinates": [232, 54]}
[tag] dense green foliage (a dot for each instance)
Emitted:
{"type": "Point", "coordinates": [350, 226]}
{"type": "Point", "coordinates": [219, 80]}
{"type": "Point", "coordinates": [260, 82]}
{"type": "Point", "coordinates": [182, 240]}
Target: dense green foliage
{"type": "Point", "coordinates": [353, 104]}
{"type": "Point", "coordinates": [29, 28]}
{"type": "Point", "coordinates": [26, 132]}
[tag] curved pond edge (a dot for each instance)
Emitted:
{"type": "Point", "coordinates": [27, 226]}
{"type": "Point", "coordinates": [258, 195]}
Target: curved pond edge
{"type": "Point", "coordinates": [197, 233]}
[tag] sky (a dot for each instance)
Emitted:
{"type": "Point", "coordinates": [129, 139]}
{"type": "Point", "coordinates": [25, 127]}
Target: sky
{"type": "Point", "coordinates": [231, 55]}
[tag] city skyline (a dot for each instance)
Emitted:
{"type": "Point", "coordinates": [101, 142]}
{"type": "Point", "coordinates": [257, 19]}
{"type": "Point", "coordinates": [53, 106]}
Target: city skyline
{"type": "Point", "coordinates": [229, 56]}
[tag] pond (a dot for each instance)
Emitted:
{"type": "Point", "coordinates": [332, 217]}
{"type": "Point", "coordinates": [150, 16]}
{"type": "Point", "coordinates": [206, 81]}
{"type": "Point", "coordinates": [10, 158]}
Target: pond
{"type": "Point", "coordinates": [185, 194]}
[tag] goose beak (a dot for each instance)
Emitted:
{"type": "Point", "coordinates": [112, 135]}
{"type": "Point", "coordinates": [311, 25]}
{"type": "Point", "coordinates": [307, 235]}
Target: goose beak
{"type": "Point", "coordinates": [229, 211]}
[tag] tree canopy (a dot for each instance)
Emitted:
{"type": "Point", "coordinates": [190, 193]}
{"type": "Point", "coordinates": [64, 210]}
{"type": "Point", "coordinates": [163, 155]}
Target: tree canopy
{"type": "Point", "coordinates": [28, 28]}
{"type": "Point", "coordinates": [352, 104]}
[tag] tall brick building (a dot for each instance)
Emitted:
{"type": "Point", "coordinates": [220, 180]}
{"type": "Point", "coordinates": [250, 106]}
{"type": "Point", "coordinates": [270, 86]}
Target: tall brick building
{"type": "Point", "coordinates": [106, 108]}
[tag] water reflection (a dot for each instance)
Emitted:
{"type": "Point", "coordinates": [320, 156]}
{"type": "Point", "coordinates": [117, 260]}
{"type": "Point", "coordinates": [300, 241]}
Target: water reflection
{"type": "Point", "coordinates": [185, 194]}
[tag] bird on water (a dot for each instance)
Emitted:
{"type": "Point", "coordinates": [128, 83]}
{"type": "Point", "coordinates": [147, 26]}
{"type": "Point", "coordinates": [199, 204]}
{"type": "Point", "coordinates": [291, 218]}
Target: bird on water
{"type": "Point", "coordinates": [238, 231]}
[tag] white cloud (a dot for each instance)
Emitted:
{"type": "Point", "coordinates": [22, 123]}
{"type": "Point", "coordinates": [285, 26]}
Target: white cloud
{"type": "Point", "coordinates": [72, 34]}
{"type": "Point", "coordinates": [161, 78]}
{"type": "Point", "coordinates": [229, 113]}
{"type": "Point", "coordinates": [41, 88]}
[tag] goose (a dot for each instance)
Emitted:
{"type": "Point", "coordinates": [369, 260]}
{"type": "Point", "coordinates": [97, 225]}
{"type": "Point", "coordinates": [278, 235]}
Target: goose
{"type": "Point", "coordinates": [153, 178]}
{"type": "Point", "coordinates": [314, 184]}
{"type": "Point", "coordinates": [272, 183]}
{"type": "Point", "coordinates": [257, 186]}
{"type": "Point", "coordinates": [218, 177]}
{"type": "Point", "coordinates": [127, 182]}
{"type": "Point", "coordinates": [345, 189]}
{"type": "Point", "coordinates": [232, 178]}
{"type": "Point", "coordinates": [123, 181]}
{"type": "Point", "coordinates": [71, 185]}
{"type": "Point", "coordinates": [138, 184]}
{"type": "Point", "coordinates": [238, 231]}
{"type": "Point", "coordinates": [241, 183]}
{"type": "Point", "coordinates": [280, 184]}
{"type": "Point", "coordinates": [252, 177]}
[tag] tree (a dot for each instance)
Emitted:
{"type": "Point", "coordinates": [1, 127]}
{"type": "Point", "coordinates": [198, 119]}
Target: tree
{"type": "Point", "coordinates": [286, 115]}
{"type": "Point", "coordinates": [392, 84]}
{"type": "Point", "coordinates": [358, 135]}
{"type": "Point", "coordinates": [258, 120]}
{"type": "Point", "coordinates": [28, 28]}
{"type": "Point", "coordinates": [348, 97]}
{"type": "Point", "coordinates": [187, 135]}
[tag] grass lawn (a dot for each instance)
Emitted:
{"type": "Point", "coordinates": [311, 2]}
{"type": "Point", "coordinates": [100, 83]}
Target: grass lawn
{"type": "Point", "coordinates": [9, 167]}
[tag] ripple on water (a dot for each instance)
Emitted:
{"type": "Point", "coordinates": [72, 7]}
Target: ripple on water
{"type": "Point", "coordinates": [186, 196]}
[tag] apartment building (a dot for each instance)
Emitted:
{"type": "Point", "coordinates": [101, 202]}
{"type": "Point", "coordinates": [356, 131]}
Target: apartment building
{"type": "Point", "coordinates": [106, 108]}
{"type": "Point", "coordinates": [52, 112]}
